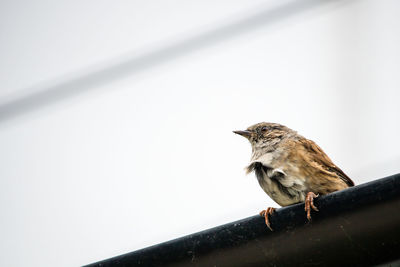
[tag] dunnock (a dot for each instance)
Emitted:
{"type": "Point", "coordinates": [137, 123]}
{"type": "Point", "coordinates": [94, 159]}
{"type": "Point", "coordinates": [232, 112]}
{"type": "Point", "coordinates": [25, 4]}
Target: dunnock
{"type": "Point", "coordinates": [291, 168]}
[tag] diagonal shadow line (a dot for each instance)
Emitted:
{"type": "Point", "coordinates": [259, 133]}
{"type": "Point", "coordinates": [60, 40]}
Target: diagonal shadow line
{"type": "Point", "coordinates": [130, 66]}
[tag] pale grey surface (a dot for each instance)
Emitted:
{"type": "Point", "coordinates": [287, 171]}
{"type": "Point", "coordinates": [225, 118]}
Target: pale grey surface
{"type": "Point", "coordinates": [152, 157]}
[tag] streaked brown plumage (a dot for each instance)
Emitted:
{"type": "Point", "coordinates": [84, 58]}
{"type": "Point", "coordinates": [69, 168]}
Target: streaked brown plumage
{"type": "Point", "coordinates": [291, 168]}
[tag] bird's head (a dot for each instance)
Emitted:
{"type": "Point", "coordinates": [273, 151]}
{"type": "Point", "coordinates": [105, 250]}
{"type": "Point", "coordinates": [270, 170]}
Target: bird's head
{"type": "Point", "coordinates": [265, 134]}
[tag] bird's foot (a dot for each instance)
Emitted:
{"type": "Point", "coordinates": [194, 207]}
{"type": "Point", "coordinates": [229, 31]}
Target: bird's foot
{"type": "Point", "coordinates": [309, 204]}
{"type": "Point", "coordinates": [265, 213]}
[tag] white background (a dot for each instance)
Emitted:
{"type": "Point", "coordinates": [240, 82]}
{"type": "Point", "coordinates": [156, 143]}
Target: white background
{"type": "Point", "coordinates": [150, 156]}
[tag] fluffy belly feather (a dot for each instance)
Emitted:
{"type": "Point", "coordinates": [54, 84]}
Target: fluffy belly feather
{"type": "Point", "coordinates": [283, 189]}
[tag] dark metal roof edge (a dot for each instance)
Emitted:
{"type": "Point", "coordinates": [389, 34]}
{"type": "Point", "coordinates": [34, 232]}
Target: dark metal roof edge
{"type": "Point", "coordinates": [343, 216]}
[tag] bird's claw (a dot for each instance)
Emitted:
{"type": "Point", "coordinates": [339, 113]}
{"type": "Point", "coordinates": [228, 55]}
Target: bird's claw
{"type": "Point", "coordinates": [309, 204]}
{"type": "Point", "coordinates": [265, 213]}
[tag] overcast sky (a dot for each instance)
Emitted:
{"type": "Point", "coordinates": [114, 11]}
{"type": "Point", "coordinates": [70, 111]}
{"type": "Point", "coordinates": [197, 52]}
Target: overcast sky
{"type": "Point", "coordinates": [148, 155]}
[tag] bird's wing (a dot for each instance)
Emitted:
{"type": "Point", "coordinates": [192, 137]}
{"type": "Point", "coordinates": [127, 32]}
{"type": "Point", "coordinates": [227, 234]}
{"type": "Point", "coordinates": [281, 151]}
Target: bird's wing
{"type": "Point", "coordinates": [317, 155]}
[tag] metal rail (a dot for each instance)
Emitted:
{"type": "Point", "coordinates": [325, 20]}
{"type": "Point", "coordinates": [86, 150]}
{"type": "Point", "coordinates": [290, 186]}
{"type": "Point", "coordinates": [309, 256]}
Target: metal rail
{"type": "Point", "coordinates": [359, 226]}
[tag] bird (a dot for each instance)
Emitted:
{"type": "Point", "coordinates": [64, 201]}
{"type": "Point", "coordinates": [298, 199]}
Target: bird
{"type": "Point", "coordinates": [291, 168]}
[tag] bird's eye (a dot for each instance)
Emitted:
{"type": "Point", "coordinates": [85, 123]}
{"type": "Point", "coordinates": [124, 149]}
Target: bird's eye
{"type": "Point", "coordinates": [264, 128]}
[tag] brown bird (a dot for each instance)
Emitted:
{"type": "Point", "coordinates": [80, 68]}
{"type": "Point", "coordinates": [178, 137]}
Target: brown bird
{"type": "Point", "coordinates": [291, 168]}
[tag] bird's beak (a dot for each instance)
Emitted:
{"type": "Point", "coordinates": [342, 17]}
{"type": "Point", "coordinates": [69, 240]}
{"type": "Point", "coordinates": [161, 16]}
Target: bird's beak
{"type": "Point", "coordinates": [245, 133]}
